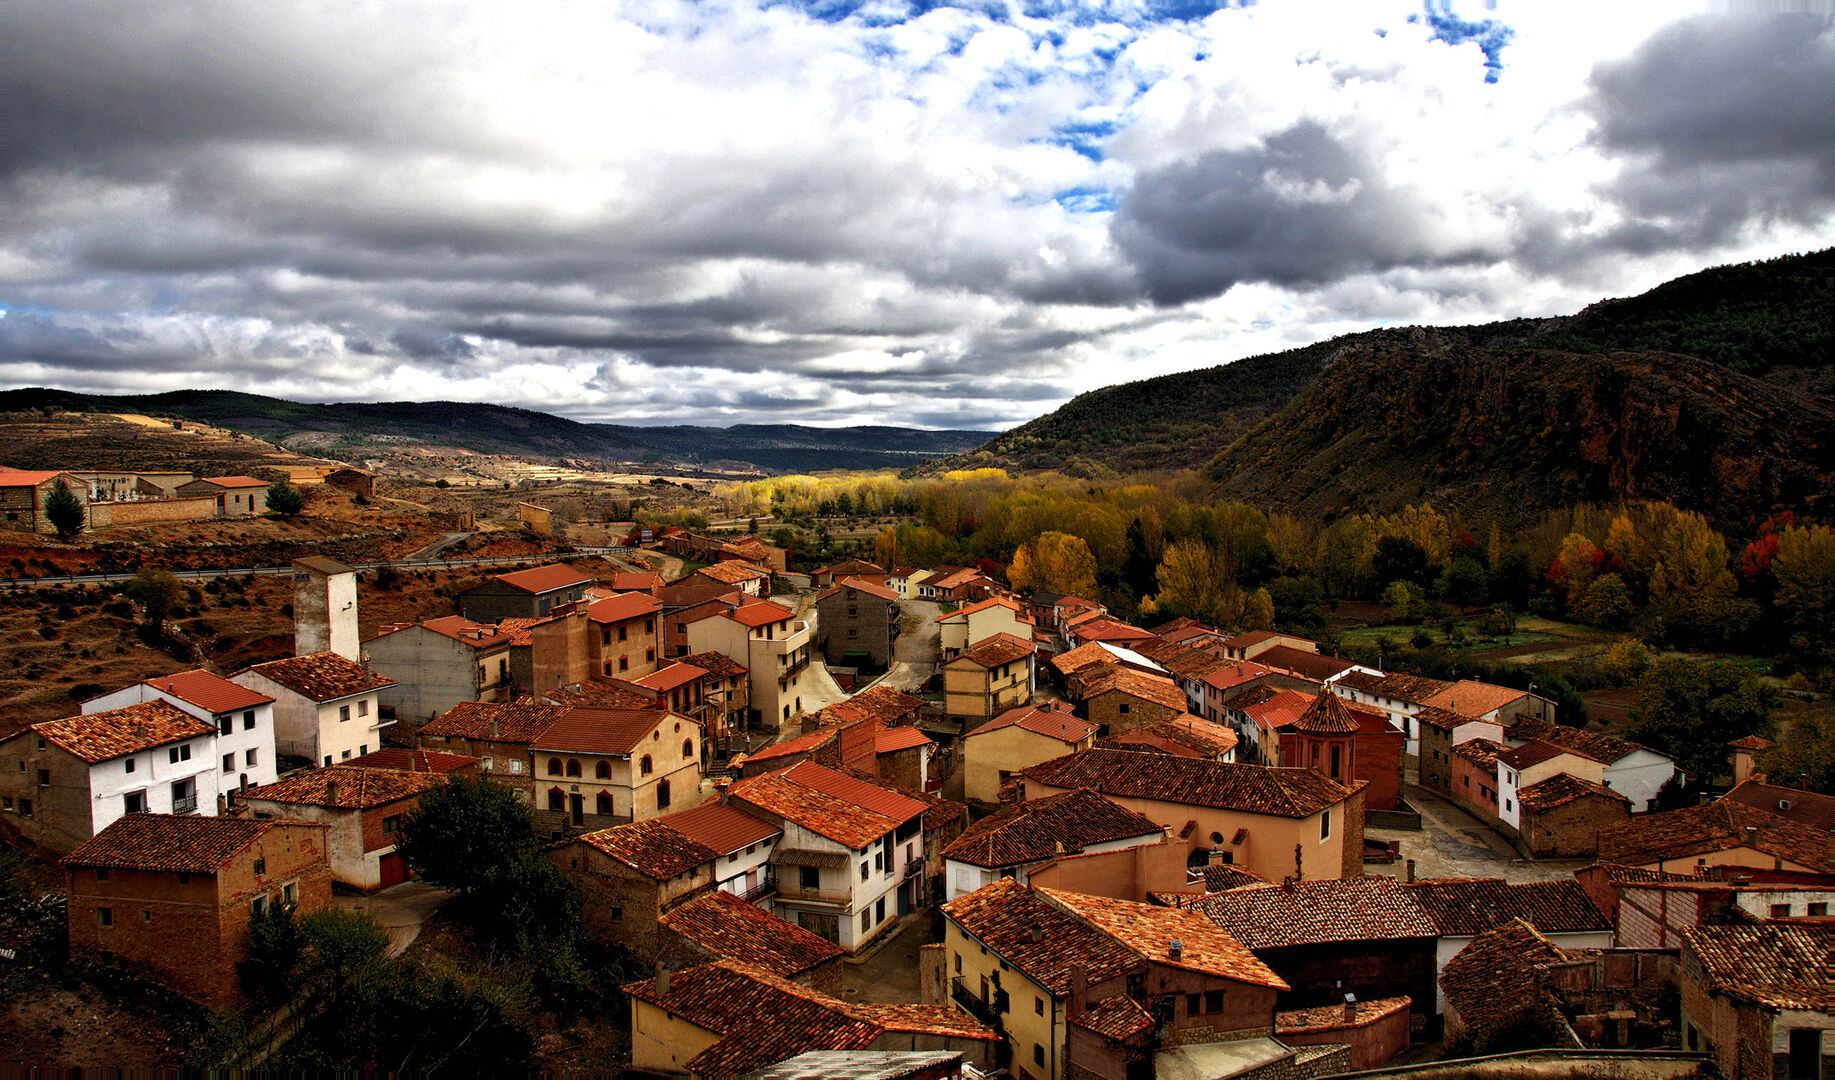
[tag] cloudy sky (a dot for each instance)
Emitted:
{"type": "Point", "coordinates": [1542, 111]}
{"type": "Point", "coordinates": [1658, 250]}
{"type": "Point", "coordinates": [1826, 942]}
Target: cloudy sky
{"type": "Point", "coordinates": [835, 212]}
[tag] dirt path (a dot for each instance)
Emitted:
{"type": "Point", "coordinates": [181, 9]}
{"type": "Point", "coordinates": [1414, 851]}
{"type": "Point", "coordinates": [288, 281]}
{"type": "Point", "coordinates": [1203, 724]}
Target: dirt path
{"type": "Point", "coordinates": [401, 909]}
{"type": "Point", "coordinates": [915, 653]}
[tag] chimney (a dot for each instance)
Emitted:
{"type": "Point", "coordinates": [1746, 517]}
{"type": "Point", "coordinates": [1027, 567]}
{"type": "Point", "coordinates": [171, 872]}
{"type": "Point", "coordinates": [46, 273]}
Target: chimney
{"type": "Point", "coordinates": [1409, 870]}
{"type": "Point", "coordinates": [661, 982]}
{"type": "Point", "coordinates": [492, 730]}
{"type": "Point", "coordinates": [1175, 949]}
{"type": "Point", "coordinates": [140, 731]}
{"type": "Point", "coordinates": [1079, 991]}
{"type": "Point", "coordinates": [331, 791]}
{"type": "Point", "coordinates": [1287, 883]}
{"type": "Point", "coordinates": [1350, 1008]}
{"type": "Point", "coordinates": [1038, 936]}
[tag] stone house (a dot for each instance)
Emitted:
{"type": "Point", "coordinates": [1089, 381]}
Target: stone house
{"type": "Point", "coordinates": [1561, 817]}
{"type": "Point", "coordinates": [524, 594]}
{"type": "Point", "coordinates": [173, 895]}
{"type": "Point", "coordinates": [23, 493]}
{"type": "Point", "coordinates": [598, 767]}
{"type": "Point", "coordinates": [63, 781]}
{"type": "Point", "coordinates": [1121, 699]}
{"type": "Point", "coordinates": [1474, 776]}
{"type": "Point", "coordinates": [1636, 772]}
{"type": "Point", "coordinates": [1461, 909]}
{"type": "Point", "coordinates": [362, 807]}
{"type": "Point", "coordinates": [438, 664]}
{"type": "Point", "coordinates": [988, 678]}
{"type": "Point", "coordinates": [726, 692]}
{"type": "Point", "coordinates": [237, 496]}
{"type": "Point", "coordinates": [1015, 741]}
{"type": "Point", "coordinates": [1722, 833]}
{"type": "Point", "coordinates": [498, 734]}
{"type": "Point", "coordinates": [1019, 837]}
{"type": "Point", "coordinates": [624, 635]}
{"type": "Point", "coordinates": [1438, 732]}
{"type": "Point", "coordinates": [1649, 909]}
{"type": "Point", "coordinates": [1398, 697]}
{"type": "Point", "coordinates": [1759, 999]}
{"type": "Point", "coordinates": [1052, 969]}
{"type": "Point", "coordinates": [629, 876]}
{"type": "Point", "coordinates": [738, 575]}
{"type": "Point", "coordinates": [244, 720]}
{"type": "Point", "coordinates": [326, 708]}
{"type": "Point", "coordinates": [1533, 762]}
{"type": "Point", "coordinates": [857, 618]}
{"type": "Point", "coordinates": [720, 926]}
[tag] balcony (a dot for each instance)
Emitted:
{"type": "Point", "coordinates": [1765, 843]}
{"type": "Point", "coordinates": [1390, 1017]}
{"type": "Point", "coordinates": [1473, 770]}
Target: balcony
{"type": "Point", "coordinates": [796, 637]}
{"type": "Point", "coordinates": [973, 1005]}
{"type": "Point", "coordinates": [793, 891]}
{"type": "Point", "coordinates": [759, 891]}
{"type": "Point", "coordinates": [186, 805]}
{"type": "Point", "coordinates": [913, 868]}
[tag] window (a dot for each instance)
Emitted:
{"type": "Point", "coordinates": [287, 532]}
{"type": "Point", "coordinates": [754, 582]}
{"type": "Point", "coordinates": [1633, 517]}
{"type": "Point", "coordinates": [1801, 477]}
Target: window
{"type": "Point", "coordinates": [327, 759]}
{"type": "Point", "coordinates": [1780, 911]}
{"type": "Point", "coordinates": [345, 756]}
{"type": "Point", "coordinates": [343, 713]}
{"type": "Point", "coordinates": [363, 707]}
{"type": "Point", "coordinates": [602, 770]}
{"type": "Point", "coordinates": [879, 910]}
{"type": "Point", "coordinates": [128, 765]}
{"type": "Point", "coordinates": [1038, 1005]}
{"type": "Point", "coordinates": [645, 766]}
{"type": "Point", "coordinates": [184, 877]}
{"type": "Point", "coordinates": [554, 766]}
{"type": "Point", "coordinates": [605, 636]}
{"type": "Point", "coordinates": [557, 799]}
{"type": "Point", "coordinates": [602, 803]}
{"type": "Point", "coordinates": [1509, 805]}
{"type": "Point", "coordinates": [808, 878]}
{"type": "Point", "coordinates": [688, 748]}
{"type": "Point", "coordinates": [613, 911]}
{"type": "Point", "coordinates": [573, 767]}
{"type": "Point", "coordinates": [260, 904]}
{"type": "Point", "coordinates": [623, 633]}
{"type": "Point", "coordinates": [105, 916]}
{"type": "Point", "coordinates": [249, 757]}
{"type": "Point", "coordinates": [261, 866]}
{"type": "Point", "coordinates": [229, 763]}
{"type": "Point", "coordinates": [134, 802]}
{"type": "Point", "coordinates": [1335, 753]}
{"type": "Point", "coordinates": [101, 873]}
{"type": "Point", "coordinates": [863, 871]}
{"type": "Point", "coordinates": [853, 633]}
{"type": "Point", "coordinates": [866, 921]}
{"type": "Point", "coordinates": [608, 667]}
{"type": "Point", "coordinates": [226, 724]}
{"type": "Point", "coordinates": [681, 628]}
{"type": "Point", "coordinates": [1818, 909]}
{"type": "Point", "coordinates": [391, 824]}
{"type": "Point", "coordinates": [662, 794]}
{"type": "Point", "coordinates": [624, 663]}
{"type": "Point", "coordinates": [1325, 825]}
{"type": "Point", "coordinates": [879, 860]}
{"type": "Point", "coordinates": [1213, 1001]}
{"type": "Point", "coordinates": [1038, 1054]}
{"type": "Point", "coordinates": [248, 720]}
{"type": "Point", "coordinates": [289, 893]}
{"type": "Point", "coordinates": [178, 754]}
{"type": "Point", "coordinates": [649, 654]}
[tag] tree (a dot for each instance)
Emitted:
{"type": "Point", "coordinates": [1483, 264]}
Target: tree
{"type": "Point", "coordinates": [1465, 582]}
{"type": "Point", "coordinates": [464, 833]}
{"type": "Point", "coordinates": [1404, 602]}
{"type": "Point", "coordinates": [1138, 569]}
{"type": "Point", "coordinates": [1606, 603]}
{"type": "Point", "coordinates": [275, 946]}
{"type": "Point", "coordinates": [1691, 709]}
{"type": "Point", "coordinates": [1804, 569]}
{"type": "Point", "coordinates": [64, 511]}
{"type": "Point", "coordinates": [285, 499]}
{"type": "Point", "coordinates": [155, 591]}
{"type": "Point", "coordinates": [1807, 757]}
{"type": "Point", "coordinates": [1298, 604]}
{"type": "Point", "coordinates": [885, 547]}
{"type": "Point", "coordinates": [1055, 562]}
{"type": "Point", "coordinates": [1398, 558]}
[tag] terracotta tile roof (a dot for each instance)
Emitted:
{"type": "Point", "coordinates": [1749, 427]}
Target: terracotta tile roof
{"type": "Point", "coordinates": [954, 579]}
{"type": "Point", "coordinates": [24, 477]}
{"type": "Point", "coordinates": [1185, 735]}
{"type": "Point", "coordinates": [591, 729]}
{"type": "Point", "coordinates": [873, 797]}
{"type": "Point", "coordinates": [1436, 717]}
{"type": "Point", "coordinates": [1310, 665]}
{"type": "Point", "coordinates": [115, 733]}
{"type": "Point", "coordinates": [1183, 662]}
{"type": "Point", "coordinates": [426, 761]}
{"type": "Point", "coordinates": [991, 652]}
{"type": "Point", "coordinates": [651, 848]}
{"type": "Point", "coordinates": [212, 693]}
{"type": "Point", "coordinates": [601, 693]}
{"type": "Point", "coordinates": [1499, 976]}
{"type": "Point", "coordinates": [962, 613]}
{"type": "Point", "coordinates": [821, 813]}
{"type": "Point", "coordinates": [675, 674]}
{"type": "Point", "coordinates": [1119, 1017]}
{"type": "Point", "coordinates": [458, 628]}
{"type": "Point", "coordinates": [1326, 715]}
{"type": "Point", "coordinates": [881, 703]}
{"type": "Point", "coordinates": [543, 579]}
{"type": "Point", "coordinates": [346, 787]}
{"type": "Point", "coordinates": [760, 613]}
{"type": "Point", "coordinates": [631, 605]}
{"type": "Point", "coordinates": [802, 744]}
{"type": "Point", "coordinates": [1039, 829]}
{"type": "Point", "coordinates": [725, 829]}
{"type": "Point", "coordinates": [636, 581]}
{"type": "Point", "coordinates": [1480, 752]}
{"type": "Point", "coordinates": [1222, 877]}
{"type": "Point", "coordinates": [732, 929]}
{"type": "Point", "coordinates": [1791, 804]}
{"type": "Point", "coordinates": [716, 664]}
{"type": "Point", "coordinates": [1718, 826]}
{"type": "Point", "coordinates": [1332, 1018]}
{"type": "Point", "coordinates": [1111, 630]}
{"type": "Point", "coordinates": [184, 844]}
{"type": "Point", "coordinates": [322, 677]}
{"type": "Point", "coordinates": [938, 811]}
{"type": "Point", "coordinates": [1042, 939]}
{"type": "Point", "coordinates": [1758, 744]}
{"type": "Point", "coordinates": [1561, 789]}
{"type": "Point", "coordinates": [234, 481]}
{"type": "Point", "coordinates": [1040, 720]}
{"type": "Point", "coordinates": [1592, 744]}
{"type": "Point", "coordinates": [1316, 912]}
{"type": "Point", "coordinates": [516, 722]}
{"type": "Point", "coordinates": [1255, 789]}
{"type": "Point", "coordinates": [1414, 689]}
{"type": "Point", "coordinates": [1136, 684]}
{"type": "Point", "coordinates": [1081, 657]}
{"type": "Point", "coordinates": [862, 585]}
{"type": "Point", "coordinates": [1230, 675]}
{"type": "Point", "coordinates": [1252, 637]}
{"type": "Point", "coordinates": [518, 630]}
{"type": "Point", "coordinates": [1775, 965]}
{"type": "Point", "coordinates": [892, 740]}
{"type": "Point", "coordinates": [1534, 753]}
{"type": "Point", "coordinates": [1147, 929]}
{"type": "Point", "coordinates": [1278, 709]}
{"type": "Point", "coordinates": [732, 572]}
{"type": "Point", "coordinates": [1467, 907]}
{"type": "Point", "coordinates": [1469, 697]}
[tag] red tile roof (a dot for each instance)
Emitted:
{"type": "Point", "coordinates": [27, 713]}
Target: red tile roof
{"type": "Point", "coordinates": [1332, 1017]}
{"type": "Point", "coordinates": [636, 581]}
{"type": "Point", "coordinates": [1773, 965]}
{"type": "Point", "coordinates": [1041, 720]}
{"type": "Point", "coordinates": [1758, 744]}
{"type": "Point", "coordinates": [346, 786]}
{"type": "Point", "coordinates": [723, 829]}
{"type": "Point", "coordinates": [1468, 697]}
{"type": "Point", "coordinates": [1042, 939]}
{"type": "Point", "coordinates": [322, 677]}
{"type": "Point", "coordinates": [732, 572]}
{"type": "Point", "coordinates": [1255, 789]}
{"type": "Point", "coordinates": [1081, 657]}
{"type": "Point", "coordinates": [1718, 826]}
{"type": "Point", "coordinates": [1309, 665]}
{"type": "Point", "coordinates": [1591, 744]}
{"type": "Point", "coordinates": [1413, 689]}
{"type": "Point", "coordinates": [24, 477]}
{"type": "Point", "coordinates": [459, 629]}
{"type": "Point", "coordinates": [760, 613]}
{"type": "Point", "coordinates": [116, 733]}
{"type": "Point", "coordinates": [1098, 680]}
{"type": "Point", "coordinates": [602, 693]}
{"type": "Point", "coordinates": [589, 729]}
{"type": "Point", "coordinates": [212, 693]}
{"type": "Point", "coordinates": [880, 703]}
{"type": "Point", "coordinates": [1186, 735]}
{"type": "Point", "coordinates": [860, 793]}
{"type": "Point", "coordinates": [1480, 752]}
{"type": "Point", "coordinates": [1534, 753]}
{"type": "Point", "coordinates": [732, 929]}
{"type": "Point", "coordinates": [1561, 789]}
{"type": "Point", "coordinates": [1231, 675]}
{"type": "Point", "coordinates": [1791, 804]}
{"type": "Point", "coordinates": [997, 649]}
{"type": "Point", "coordinates": [184, 844]}
{"type": "Point", "coordinates": [1147, 929]}
{"type": "Point", "coordinates": [962, 613]}
{"type": "Point", "coordinates": [631, 605]}
{"type": "Point", "coordinates": [1326, 715]}
{"type": "Point", "coordinates": [427, 761]}
{"type": "Point", "coordinates": [716, 664]}
{"type": "Point", "coordinates": [1498, 977]}
{"type": "Point", "coordinates": [544, 579]}
{"type": "Point", "coordinates": [892, 740]}
{"type": "Point", "coordinates": [234, 481]}
{"type": "Point", "coordinates": [821, 813]}
{"type": "Point", "coordinates": [1280, 709]}
{"type": "Point", "coordinates": [860, 585]}
{"type": "Point", "coordinates": [1467, 907]}
{"type": "Point", "coordinates": [802, 744]}
{"type": "Point", "coordinates": [1118, 1017]}
{"type": "Point", "coordinates": [1111, 630]}
{"type": "Point", "coordinates": [1317, 912]}
{"type": "Point", "coordinates": [651, 848]}
{"type": "Point", "coordinates": [518, 722]}
{"type": "Point", "coordinates": [1039, 829]}
{"type": "Point", "coordinates": [665, 679]}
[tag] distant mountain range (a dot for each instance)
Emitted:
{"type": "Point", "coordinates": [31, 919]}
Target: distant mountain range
{"type": "Point", "coordinates": [351, 429]}
{"type": "Point", "coordinates": [1715, 391]}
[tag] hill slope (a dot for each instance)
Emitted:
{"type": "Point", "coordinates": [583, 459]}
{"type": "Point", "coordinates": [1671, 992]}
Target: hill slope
{"type": "Point", "coordinates": [343, 430]}
{"type": "Point", "coordinates": [1505, 433]}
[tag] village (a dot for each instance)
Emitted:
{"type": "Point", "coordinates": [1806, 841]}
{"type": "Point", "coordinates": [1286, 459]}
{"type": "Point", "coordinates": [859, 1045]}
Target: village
{"type": "Point", "coordinates": [894, 821]}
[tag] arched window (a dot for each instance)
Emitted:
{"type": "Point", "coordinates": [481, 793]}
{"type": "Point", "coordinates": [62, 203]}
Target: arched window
{"type": "Point", "coordinates": [573, 767]}
{"type": "Point", "coordinates": [557, 799]}
{"type": "Point", "coordinates": [662, 794]}
{"type": "Point", "coordinates": [644, 767]}
{"type": "Point", "coordinates": [688, 748]}
{"type": "Point", "coordinates": [602, 804]}
{"type": "Point", "coordinates": [554, 766]}
{"type": "Point", "coordinates": [602, 771]}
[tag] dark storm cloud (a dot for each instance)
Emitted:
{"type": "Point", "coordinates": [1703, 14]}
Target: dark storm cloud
{"type": "Point", "coordinates": [1301, 209]}
{"type": "Point", "coordinates": [1724, 122]}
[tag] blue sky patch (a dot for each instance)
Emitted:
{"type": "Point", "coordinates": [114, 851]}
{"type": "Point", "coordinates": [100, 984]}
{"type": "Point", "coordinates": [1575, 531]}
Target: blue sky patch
{"type": "Point", "coordinates": [1489, 35]}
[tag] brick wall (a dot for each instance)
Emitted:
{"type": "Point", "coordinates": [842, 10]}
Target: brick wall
{"type": "Point", "coordinates": [60, 817]}
{"type": "Point", "coordinates": [1105, 709]}
{"type": "Point", "coordinates": [1572, 831]}
{"type": "Point", "coordinates": [103, 515]}
{"type": "Point", "coordinates": [1353, 829]}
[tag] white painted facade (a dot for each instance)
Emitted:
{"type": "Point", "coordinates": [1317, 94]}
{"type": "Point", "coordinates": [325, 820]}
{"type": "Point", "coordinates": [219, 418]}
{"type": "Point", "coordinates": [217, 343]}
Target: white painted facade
{"type": "Point", "coordinates": [859, 889]}
{"type": "Point", "coordinates": [174, 779]}
{"type": "Point", "coordinates": [243, 748]}
{"type": "Point", "coordinates": [323, 732]}
{"type": "Point", "coordinates": [1510, 781]}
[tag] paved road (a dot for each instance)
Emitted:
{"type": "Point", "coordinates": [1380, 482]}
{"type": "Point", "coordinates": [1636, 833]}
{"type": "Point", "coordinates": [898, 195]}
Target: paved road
{"type": "Point", "coordinates": [437, 546]}
{"type": "Point", "coordinates": [915, 654]}
{"type": "Point", "coordinates": [416, 562]}
{"type": "Point", "coordinates": [1455, 843]}
{"type": "Point", "coordinates": [401, 909]}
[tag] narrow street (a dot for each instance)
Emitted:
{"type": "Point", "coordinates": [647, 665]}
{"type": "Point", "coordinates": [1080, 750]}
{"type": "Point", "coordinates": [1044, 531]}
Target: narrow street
{"type": "Point", "coordinates": [916, 650]}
